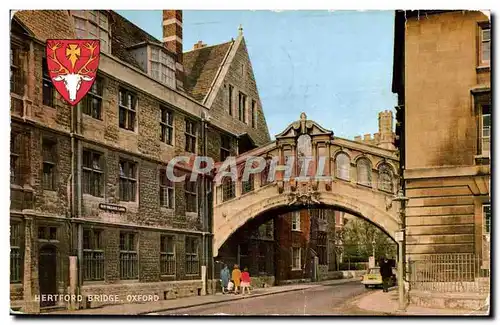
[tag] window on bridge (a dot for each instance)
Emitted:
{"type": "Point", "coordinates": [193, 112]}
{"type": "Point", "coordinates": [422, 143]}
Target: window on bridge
{"type": "Point", "coordinates": [364, 170]}
{"type": "Point", "coordinates": [227, 189]}
{"type": "Point", "coordinates": [385, 178]}
{"type": "Point", "coordinates": [248, 185]}
{"type": "Point", "coordinates": [343, 165]}
{"type": "Point", "coordinates": [264, 175]}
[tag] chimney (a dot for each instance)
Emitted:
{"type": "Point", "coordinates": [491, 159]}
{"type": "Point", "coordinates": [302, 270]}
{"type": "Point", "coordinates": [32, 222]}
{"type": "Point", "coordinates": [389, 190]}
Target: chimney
{"type": "Point", "coordinates": [199, 45]}
{"type": "Point", "coordinates": [172, 40]}
{"type": "Point", "coordinates": [367, 137]}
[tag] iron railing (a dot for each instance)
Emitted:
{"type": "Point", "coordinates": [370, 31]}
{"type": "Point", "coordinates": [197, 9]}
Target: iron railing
{"type": "Point", "coordinates": [15, 264]}
{"type": "Point", "coordinates": [93, 265]}
{"type": "Point", "coordinates": [128, 265]}
{"type": "Point", "coordinates": [167, 263]}
{"type": "Point", "coordinates": [460, 272]}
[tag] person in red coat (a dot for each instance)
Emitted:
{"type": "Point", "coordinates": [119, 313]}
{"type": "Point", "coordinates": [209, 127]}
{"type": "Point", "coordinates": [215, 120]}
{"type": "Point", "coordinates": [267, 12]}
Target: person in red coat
{"type": "Point", "coordinates": [245, 281]}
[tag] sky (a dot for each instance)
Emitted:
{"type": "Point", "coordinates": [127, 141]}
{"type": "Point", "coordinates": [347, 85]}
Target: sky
{"type": "Point", "coordinates": [334, 66]}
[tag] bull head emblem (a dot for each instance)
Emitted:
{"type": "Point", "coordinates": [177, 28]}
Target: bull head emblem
{"type": "Point", "coordinates": [72, 67]}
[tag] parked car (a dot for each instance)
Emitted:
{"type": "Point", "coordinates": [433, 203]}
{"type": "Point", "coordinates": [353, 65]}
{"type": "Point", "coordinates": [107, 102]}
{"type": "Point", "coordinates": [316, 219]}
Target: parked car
{"type": "Point", "coordinates": [373, 278]}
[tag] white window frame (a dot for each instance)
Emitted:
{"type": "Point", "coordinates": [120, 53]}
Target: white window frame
{"type": "Point", "coordinates": [294, 266]}
{"type": "Point", "coordinates": [364, 172]}
{"type": "Point", "coordinates": [101, 26]}
{"type": "Point", "coordinates": [166, 66]}
{"type": "Point", "coordinates": [341, 169]}
{"type": "Point", "coordinates": [483, 42]}
{"type": "Point", "coordinates": [296, 221]}
{"type": "Point", "coordinates": [486, 233]}
{"type": "Point", "coordinates": [485, 151]}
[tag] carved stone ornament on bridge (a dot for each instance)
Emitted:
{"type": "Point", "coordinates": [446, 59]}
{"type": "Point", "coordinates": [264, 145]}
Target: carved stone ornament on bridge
{"type": "Point", "coordinates": [303, 126]}
{"type": "Point", "coordinates": [388, 203]}
{"type": "Point", "coordinates": [328, 185]}
{"type": "Point", "coordinates": [281, 186]}
{"type": "Point", "coordinates": [306, 193]}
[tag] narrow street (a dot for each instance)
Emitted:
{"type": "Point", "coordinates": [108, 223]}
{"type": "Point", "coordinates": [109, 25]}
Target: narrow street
{"type": "Point", "coordinates": [323, 300]}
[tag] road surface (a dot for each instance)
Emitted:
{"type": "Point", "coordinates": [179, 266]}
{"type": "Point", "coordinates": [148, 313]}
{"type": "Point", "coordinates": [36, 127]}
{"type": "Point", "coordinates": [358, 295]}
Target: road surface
{"type": "Point", "coordinates": [322, 300]}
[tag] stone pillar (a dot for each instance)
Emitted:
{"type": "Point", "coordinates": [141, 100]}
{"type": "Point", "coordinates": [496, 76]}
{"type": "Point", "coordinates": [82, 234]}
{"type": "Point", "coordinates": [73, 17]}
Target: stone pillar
{"type": "Point", "coordinates": [203, 280]}
{"type": "Point", "coordinates": [294, 155]}
{"type": "Point", "coordinates": [73, 280]}
{"type": "Point", "coordinates": [353, 172]}
{"type": "Point", "coordinates": [29, 280]}
{"type": "Point", "coordinates": [328, 159]}
{"type": "Point", "coordinates": [279, 175]}
{"type": "Point", "coordinates": [237, 188]}
{"type": "Point", "coordinates": [30, 84]}
{"type": "Point", "coordinates": [315, 159]}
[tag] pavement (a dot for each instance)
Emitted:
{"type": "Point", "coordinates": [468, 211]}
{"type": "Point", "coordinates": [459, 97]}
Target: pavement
{"type": "Point", "coordinates": [196, 301]}
{"type": "Point", "coordinates": [382, 303]}
{"type": "Point", "coordinates": [333, 297]}
{"type": "Point", "coordinates": [324, 300]}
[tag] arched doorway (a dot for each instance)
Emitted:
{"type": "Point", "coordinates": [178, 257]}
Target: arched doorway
{"type": "Point", "coordinates": [47, 270]}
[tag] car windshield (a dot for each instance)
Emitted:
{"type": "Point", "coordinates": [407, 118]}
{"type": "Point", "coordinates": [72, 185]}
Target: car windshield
{"type": "Point", "coordinates": [374, 271]}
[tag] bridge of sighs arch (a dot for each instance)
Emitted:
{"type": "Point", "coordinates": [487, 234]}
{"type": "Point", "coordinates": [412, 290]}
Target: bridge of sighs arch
{"type": "Point", "coordinates": [343, 174]}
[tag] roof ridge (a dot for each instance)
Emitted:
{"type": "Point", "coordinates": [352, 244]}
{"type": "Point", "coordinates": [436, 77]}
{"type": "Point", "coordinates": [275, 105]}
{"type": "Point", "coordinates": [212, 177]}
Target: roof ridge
{"type": "Point", "coordinates": [136, 26]}
{"type": "Point", "coordinates": [208, 46]}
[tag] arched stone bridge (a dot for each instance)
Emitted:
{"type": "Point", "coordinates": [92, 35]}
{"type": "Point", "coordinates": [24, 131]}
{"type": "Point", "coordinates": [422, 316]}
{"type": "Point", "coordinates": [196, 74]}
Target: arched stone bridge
{"type": "Point", "coordinates": [358, 178]}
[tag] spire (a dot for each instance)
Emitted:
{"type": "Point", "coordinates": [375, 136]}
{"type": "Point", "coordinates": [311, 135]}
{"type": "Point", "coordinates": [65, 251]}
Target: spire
{"type": "Point", "coordinates": [240, 30]}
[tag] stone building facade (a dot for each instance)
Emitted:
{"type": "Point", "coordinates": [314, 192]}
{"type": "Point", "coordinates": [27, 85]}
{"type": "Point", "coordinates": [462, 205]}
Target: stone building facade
{"type": "Point", "coordinates": [278, 247]}
{"type": "Point", "coordinates": [443, 80]}
{"type": "Point", "coordinates": [91, 210]}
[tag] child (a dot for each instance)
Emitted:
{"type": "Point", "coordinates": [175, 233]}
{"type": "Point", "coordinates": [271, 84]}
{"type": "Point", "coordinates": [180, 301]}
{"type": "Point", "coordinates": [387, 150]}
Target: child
{"type": "Point", "coordinates": [245, 281]}
{"type": "Point", "coordinates": [236, 277]}
{"type": "Point", "coordinates": [230, 286]}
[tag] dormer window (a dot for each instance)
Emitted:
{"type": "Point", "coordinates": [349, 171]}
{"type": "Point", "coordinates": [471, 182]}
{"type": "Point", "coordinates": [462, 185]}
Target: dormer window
{"type": "Point", "coordinates": [162, 67]}
{"type": "Point", "coordinates": [92, 24]}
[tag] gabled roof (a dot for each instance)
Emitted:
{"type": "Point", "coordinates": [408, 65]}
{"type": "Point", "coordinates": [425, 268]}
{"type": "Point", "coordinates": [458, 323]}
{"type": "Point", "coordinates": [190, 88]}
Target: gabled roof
{"type": "Point", "coordinates": [47, 24]}
{"type": "Point", "coordinates": [126, 34]}
{"type": "Point", "coordinates": [201, 67]}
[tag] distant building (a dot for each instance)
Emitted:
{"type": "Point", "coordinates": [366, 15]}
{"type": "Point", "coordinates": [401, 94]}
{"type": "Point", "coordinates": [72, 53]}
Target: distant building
{"type": "Point", "coordinates": [442, 75]}
{"type": "Point", "coordinates": [385, 136]}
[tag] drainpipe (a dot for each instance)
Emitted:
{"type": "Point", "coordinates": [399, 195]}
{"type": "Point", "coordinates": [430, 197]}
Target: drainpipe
{"type": "Point", "coordinates": [204, 202]}
{"type": "Point", "coordinates": [77, 202]}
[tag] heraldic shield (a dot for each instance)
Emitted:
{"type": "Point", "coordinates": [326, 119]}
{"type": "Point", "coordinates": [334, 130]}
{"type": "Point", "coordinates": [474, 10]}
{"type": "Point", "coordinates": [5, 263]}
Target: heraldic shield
{"type": "Point", "coordinates": [72, 66]}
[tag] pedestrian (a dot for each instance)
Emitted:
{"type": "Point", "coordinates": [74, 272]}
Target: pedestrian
{"type": "Point", "coordinates": [386, 273]}
{"type": "Point", "coordinates": [245, 281]}
{"type": "Point", "coordinates": [236, 277]}
{"type": "Point", "coordinates": [230, 286]}
{"type": "Point", "coordinates": [224, 278]}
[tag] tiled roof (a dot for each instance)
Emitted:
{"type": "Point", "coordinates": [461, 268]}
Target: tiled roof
{"type": "Point", "coordinates": [47, 24]}
{"type": "Point", "coordinates": [201, 67]}
{"type": "Point", "coordinates": [125, 34]}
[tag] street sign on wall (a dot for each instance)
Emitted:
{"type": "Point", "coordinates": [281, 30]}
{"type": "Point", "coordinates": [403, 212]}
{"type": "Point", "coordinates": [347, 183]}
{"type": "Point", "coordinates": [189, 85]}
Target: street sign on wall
{"type": "Point", "coordinates": [399, 236]}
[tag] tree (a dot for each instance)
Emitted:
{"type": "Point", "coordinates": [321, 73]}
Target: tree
{"type": "Point", "coordinates": [357, 238]}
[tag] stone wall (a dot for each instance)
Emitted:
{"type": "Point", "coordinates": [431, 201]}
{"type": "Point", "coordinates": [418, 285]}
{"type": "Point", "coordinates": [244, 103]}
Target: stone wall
{"type": "Point", "coordinates": [441, 55]}
{"type": "Point", "coordinates": [240, 76]}
{"type": "Point", "coordinates": [125, 291]}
